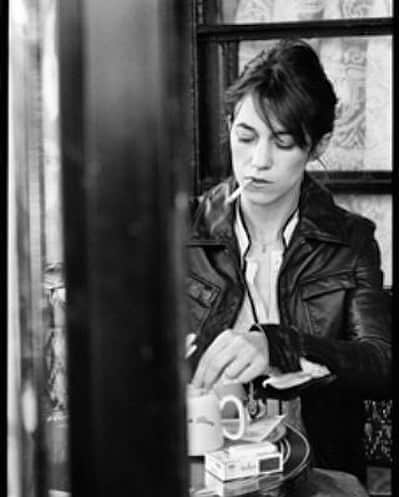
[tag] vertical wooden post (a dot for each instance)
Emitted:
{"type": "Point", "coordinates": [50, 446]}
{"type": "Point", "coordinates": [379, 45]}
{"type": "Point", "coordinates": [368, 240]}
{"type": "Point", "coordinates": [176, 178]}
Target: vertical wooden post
{"type": "Point", "coordinates": [124, 101]}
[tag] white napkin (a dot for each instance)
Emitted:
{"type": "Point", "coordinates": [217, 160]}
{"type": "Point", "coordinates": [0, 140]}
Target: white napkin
{"type": "Point", "coordinates": [309, 370]}
{"type": "Point", "coordinates": [258, 430]}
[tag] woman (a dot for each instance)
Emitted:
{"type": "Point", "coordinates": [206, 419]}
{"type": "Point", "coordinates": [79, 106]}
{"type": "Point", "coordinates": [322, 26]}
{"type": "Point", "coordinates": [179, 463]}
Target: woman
{"type": "Point", "coordinates": [282, 280]}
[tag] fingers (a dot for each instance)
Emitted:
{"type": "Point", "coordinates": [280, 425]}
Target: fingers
{"type": "Point", "coordinates": [241, 357]}
{"type": "Point", "coordinates": [214, 360]}
{"type": "Point", "coordinates": [215, 367]}
{"type": "Point", "coordinates": [246, 367]}
{"type": "Point", "coordinates": [235, 368]}
{"type": "Point", "coordinates": [251, 372]}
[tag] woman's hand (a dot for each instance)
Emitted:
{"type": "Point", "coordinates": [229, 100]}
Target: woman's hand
{"type": "Point", "coordinates": [240, 357]}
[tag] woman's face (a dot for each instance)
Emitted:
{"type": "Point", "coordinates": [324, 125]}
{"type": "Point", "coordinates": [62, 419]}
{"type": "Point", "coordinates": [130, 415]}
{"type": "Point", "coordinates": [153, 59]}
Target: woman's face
{"type": "Point", "coordinates": [270, 159]}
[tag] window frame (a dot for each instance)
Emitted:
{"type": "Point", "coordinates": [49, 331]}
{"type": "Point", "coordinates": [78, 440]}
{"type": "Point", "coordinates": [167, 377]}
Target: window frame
{"type": "Point", "coordinates": [209, 36]}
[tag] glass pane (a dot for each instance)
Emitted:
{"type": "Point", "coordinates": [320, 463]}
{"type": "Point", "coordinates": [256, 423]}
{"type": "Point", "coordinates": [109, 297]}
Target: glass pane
{"type": "Point", "coordinates": [378, 208]}
{"type": "Point", "coordinates": [35, 282]}
{"type": "Point", "coordinates": [56, 421]}
{"type": "Point", "coordinates": [260, 11]}
{"type": "Point", "coordinates": [361, 71]}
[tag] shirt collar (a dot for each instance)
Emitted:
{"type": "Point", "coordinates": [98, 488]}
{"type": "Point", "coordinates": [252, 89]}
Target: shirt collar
{"type": "Point", "coordinates": [243, 237]}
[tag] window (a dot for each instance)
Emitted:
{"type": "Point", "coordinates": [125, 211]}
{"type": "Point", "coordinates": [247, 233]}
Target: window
{"type": "Point", "coordinates": [354, 41]}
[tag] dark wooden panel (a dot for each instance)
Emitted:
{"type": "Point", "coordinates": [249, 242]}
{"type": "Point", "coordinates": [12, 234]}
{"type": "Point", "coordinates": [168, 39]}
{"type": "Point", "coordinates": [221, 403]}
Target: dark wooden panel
{"type": "Point", "coordinates": [125, 100]}
{"type": "Point", "coordinates": [213, 137]}
{"type": "Point", "coordinates": [379, 182]}
{"type": "Point", "coordinates": [75, 219]}
{"type": "Point", "coordinates": [304, 29]}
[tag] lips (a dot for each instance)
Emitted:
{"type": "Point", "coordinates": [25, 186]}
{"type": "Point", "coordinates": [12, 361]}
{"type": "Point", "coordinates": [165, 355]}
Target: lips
{"type": "Point", "coordinates": [259, 181]}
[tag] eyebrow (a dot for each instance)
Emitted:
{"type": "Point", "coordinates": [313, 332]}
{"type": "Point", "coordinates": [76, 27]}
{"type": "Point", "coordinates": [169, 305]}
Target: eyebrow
{"type": "Point", "coordinates": [246, 126]}
{"type": "Point", "coordinates": [250, 128]}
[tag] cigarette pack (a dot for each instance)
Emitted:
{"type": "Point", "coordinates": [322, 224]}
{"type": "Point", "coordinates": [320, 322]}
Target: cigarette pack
{"type": "Point", "coordinates": [240, 486]}
{"type": "Point", "coordinates": [240, 461]}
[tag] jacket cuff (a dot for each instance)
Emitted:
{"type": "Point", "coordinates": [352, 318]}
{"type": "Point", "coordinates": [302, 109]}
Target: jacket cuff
{"type": "Point", "coordinates": [285, 346]}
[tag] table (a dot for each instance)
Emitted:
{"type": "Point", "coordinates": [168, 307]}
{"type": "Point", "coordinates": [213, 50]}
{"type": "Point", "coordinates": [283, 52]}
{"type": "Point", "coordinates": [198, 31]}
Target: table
{"type": "Point", "coordinates": [298, 479]}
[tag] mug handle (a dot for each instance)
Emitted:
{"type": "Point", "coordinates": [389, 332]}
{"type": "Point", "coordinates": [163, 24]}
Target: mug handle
{"type": "Point", "coordinates": [241, 415]}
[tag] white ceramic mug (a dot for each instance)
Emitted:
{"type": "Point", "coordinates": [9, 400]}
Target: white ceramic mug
{"type": "Point", "coordinates": [205, 431]}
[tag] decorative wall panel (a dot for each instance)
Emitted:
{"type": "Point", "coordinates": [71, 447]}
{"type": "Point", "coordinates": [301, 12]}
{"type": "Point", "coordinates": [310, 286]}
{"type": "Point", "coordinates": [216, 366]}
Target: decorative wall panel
{"type": "Point", "coordinates": [257, 11]}
{"type": "Point", "coordinates": [361, 72]}
{"type": "Point", "coordinates": [379, 209]}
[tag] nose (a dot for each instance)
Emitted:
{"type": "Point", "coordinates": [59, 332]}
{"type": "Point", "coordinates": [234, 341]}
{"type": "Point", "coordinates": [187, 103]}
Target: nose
{"type": "Point", "coordinates": [262, 158]}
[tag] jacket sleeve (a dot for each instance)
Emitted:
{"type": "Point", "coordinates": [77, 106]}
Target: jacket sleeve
{"type": "Point", "coordinates": [360, 361]}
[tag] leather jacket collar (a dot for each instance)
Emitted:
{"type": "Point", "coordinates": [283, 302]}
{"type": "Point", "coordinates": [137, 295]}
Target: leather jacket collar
{"type": "Point", "coordinates": [320, 217]}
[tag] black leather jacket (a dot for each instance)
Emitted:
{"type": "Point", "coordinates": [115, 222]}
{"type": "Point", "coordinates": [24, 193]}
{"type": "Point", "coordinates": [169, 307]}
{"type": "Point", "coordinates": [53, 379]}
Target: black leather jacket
{"type": "Point", "coordinates": [332, 307]}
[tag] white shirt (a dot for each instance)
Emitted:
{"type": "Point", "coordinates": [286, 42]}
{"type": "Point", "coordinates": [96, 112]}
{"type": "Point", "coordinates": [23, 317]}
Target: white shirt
{"type": "Point", "coordinates": [262, 265]}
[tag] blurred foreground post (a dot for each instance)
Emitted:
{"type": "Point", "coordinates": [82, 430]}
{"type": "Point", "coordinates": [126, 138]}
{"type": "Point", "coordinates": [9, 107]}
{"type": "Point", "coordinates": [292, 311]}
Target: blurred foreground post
{"type": "Point", "coordinates": [124, 103]}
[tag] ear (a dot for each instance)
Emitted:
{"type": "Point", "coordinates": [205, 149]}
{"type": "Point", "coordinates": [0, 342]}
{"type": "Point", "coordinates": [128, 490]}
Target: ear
{"type": "Point", "coordinates": [321, 146]}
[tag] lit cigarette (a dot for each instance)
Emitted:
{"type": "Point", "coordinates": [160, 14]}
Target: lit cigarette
{"type": "Point", "coordinates": [238, 191]}
{"type": "Point", "coordinates": [191, 351]}
{"type": "Point", "coordinates": [191, 347]}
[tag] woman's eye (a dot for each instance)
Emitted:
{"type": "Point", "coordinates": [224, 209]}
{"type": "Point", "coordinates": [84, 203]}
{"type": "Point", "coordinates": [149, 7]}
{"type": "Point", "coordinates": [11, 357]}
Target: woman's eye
{"type": "Point", "coordinates": [284, 143]}
{"type": "Point", "coordinates": [245, 138]}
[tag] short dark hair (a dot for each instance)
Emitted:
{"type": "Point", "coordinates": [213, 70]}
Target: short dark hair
{"type": "Point", "coordinates": [289, 82]}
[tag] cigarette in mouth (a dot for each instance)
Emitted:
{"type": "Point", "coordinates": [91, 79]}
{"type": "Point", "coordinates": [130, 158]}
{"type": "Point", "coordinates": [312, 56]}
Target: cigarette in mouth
{"type": "Point", "coordinates": [237, 191]}
{"type": "Point", "coordinates": [191, 347]}
{"type": "Point", "coordinates": [190, 351]}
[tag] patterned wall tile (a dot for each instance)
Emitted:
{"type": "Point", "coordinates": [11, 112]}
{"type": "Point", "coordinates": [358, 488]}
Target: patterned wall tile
{"type": "Point", "coordinates": [379, 209]}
